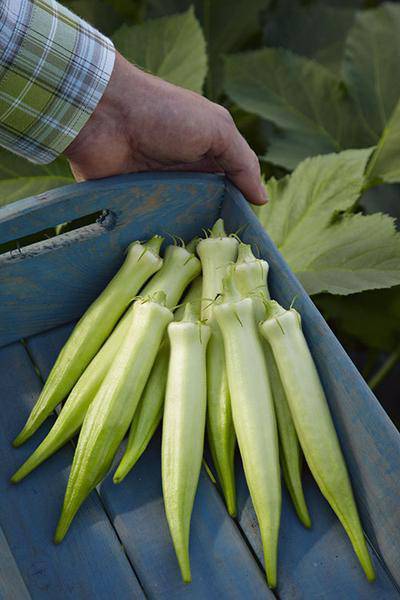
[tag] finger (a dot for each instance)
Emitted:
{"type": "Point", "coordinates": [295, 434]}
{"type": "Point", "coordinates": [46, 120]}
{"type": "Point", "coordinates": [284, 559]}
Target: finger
{"type": "Point", "coordinates": [242, 167]}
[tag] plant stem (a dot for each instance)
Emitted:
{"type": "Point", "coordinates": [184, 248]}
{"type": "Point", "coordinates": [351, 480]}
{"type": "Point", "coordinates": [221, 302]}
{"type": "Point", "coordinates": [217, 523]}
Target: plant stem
{"type": "Point", "coordinates": [385, 369]}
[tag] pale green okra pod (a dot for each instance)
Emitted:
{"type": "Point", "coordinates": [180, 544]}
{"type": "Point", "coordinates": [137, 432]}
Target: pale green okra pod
{"type": "Point", "coordinates": [253, 415]}
{"type": "Point", "coordinates": [110, 414]}
{"type": "Point", "coordinates": [250, 276]}
{"type": "Point", "coordinates": [183, 428]}
{"type": "Point", "coordinates": [216, 253]}
{"type": "Point", "coordinates": [93, 329]}
{"type": "Point", "coordinates": [313, 422]}
{"type": "Point", "coordinates": [149, 412]}
{"type": "Point", "coordinates": [179, 268]}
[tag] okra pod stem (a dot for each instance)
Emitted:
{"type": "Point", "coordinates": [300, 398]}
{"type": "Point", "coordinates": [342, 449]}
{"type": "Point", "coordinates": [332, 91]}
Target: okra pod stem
{"type": "Point", "coordinates": [183, 428]}
{"type": "Point", "coordinates": [111, 412]}
{"type": "Point", "coordinates": [180, 267]}
{"type": "Point", "coordinates": [313, 422]}
{"type": "Point", "coordinates": [250, 276]}
{"type": "Point", "coordinates": [216, 253]}
{"type": "Point", "coordinates": [92, 330]}
{"type": "Point", "coordinates": [253, 415]}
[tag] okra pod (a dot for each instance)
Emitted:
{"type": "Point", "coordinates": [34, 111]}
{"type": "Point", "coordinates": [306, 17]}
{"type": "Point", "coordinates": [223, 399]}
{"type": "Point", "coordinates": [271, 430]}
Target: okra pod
{"type": "Point", "coordinates": [74, 410]}
{"type": "Point", "coordinates": [313, 421]}
{"type": "Point", "coordinates": [183, 428]}
{"type": "Point", "coordinates": [148, 414]}
{"type": "Point", "coordinates": [253, 415]}
{"type": "Point", "coordinates": [193, 295]}
{"type": "Point", "coordinates": [216, 253]}
{"type": "Point", "coordinates": [110, 414]}
{"type": "Point", "coordinates": [92, 330]}
{"type": "Point", "coordinates": [150, 409]}
{"type": "Point", "coordinates": [251, 278]}
{"type": "Point", "coordinates": [179, 268]}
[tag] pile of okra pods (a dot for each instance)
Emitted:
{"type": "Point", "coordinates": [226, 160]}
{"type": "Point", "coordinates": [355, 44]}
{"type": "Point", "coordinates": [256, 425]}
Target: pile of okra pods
{"type": "Point", "coordinates": [226, 359]}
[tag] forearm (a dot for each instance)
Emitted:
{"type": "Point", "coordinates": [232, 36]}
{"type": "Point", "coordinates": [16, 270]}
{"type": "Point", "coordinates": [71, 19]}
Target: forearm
{"type": "Point", "coordinates": [54, 68]}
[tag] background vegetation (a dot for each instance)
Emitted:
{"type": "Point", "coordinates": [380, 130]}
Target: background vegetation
{"type": "Point", "coordinates": [302, 79]}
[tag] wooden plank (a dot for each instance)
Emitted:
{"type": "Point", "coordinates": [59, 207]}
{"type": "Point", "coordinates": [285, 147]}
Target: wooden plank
{"type": "Point", "coordinates": [145, 193]}
{"type": "Point", "coordinates": [369, 440]}
{"type": "Point", "coordinates": [70, 270]}
{"type": "Point", "coordinates": [91, 564]}
{"type": "Point", "coordinates": [12, 586]}
{"type": "Point", "coordinates": [222, 565]}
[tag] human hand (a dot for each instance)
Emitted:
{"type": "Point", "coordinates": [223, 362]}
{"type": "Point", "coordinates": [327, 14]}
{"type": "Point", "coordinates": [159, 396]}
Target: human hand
{"type": "Point", "coordinates": [143, 123]}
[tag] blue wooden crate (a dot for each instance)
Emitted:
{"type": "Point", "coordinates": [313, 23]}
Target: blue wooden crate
{"type": "Point", "coordinates": [119, 544]}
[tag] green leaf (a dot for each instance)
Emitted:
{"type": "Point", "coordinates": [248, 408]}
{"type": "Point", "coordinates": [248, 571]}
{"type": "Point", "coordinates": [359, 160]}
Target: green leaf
{"type": "Point", "coordinates": [227, 26]}
{"type": "Point", "coordinates": [12, 165]}
{"type": "Point", "coordinates": [23, 187]}
{"type": "Point", "coordinates": [304, 99]}
{"type": "Point", "coordinates": [316, 31]}
{"type": "Point", "coordinates": [171, 47]}
{"type": "Point", "coordinates": [372, 63]}
{"type": "Point", "coordinates": [354, 254]}
{"type": "Point", "coordinates": [373, 317]}
{"type": "Point", "coordinates": [98, 13]}
{"type": "Point", "coordinates": [307, 200]}
{"type": "Point", "coordinates": [20, 178]}
{"type": "Point", "coordinates": [328, 250]}
{"type": "Point", "coordinates": [385, 162]}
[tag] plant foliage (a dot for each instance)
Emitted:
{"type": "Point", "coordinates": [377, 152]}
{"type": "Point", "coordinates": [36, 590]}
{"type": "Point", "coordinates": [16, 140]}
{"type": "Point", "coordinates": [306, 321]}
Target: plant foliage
{"type": "Point", "coordinates": [314, 87]}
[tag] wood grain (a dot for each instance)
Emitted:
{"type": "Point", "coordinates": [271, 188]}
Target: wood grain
{"type": "Point", "coordinates": [12, 586]}
{"type": "Point", "coordinates": [53, 282]}
{"type": "Point", "coordinates": [29, 511]}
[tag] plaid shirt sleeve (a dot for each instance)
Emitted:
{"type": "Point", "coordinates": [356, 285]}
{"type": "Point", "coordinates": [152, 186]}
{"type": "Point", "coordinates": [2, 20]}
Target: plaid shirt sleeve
{"type": "Point", "coordinates": [54, 68]}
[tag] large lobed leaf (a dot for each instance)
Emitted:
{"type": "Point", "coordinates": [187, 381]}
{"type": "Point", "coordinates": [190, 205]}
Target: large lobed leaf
{"type": "Point", "coordinates": [227, 27]}
{"type": "Point", "coordinates": [301, 97]}
{"type": "Point", "coordinates": [372, 63]}
{"type": "Point", "coordinates": [316, 31]}
{"type": "Point", "coordinates": [171, 47]}
{"type": "Point", "coordinates": [385, 162]}
{"type": "Point", "coordinates": [315, 110]}
{"type": "Point", "coordinates": [329, 249]}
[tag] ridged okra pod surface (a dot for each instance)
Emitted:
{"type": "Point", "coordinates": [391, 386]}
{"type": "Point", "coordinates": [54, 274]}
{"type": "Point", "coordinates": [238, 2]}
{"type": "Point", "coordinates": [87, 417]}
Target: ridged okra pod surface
{"type": "Point", "coordinates": [148, 414]}
{"type": "Point", "coordinates": [114, 405]}
{"type": "Point", "coordinates": [250, 275]}
{"type": "Point", "coordinates": [183, 429]}
{"type": "Point", "coordinates": [216, 253]}
{"type": "Point", "coordinates": [313, 422]}
{"type": "Point", "coordinates": [93, 329]}
{"type": "Point", "coordinates": [75, 408]}
{"type": "Point", "coordinates": [253, 417]}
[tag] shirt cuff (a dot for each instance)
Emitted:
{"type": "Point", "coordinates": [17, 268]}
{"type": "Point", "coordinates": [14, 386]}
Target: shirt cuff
{"type": "Point", "coordinates": [54, 68]}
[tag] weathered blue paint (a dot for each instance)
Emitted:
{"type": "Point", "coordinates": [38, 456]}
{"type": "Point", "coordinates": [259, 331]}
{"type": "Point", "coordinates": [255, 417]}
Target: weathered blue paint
{"type": "Point", "coordinates": [370, 441]}
{"type": "Point", "coordinates": [12, 586]}
{"type": "Point", "coordinates": [46, 278]}
{"type": "Point", "coordinates": [52, 283]}
{"type": "Point", "coordinates": [29, 511]}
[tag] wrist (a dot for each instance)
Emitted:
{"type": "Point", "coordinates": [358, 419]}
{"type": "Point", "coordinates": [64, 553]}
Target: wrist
{"type": "Point", "coordinates": [108, 115]}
